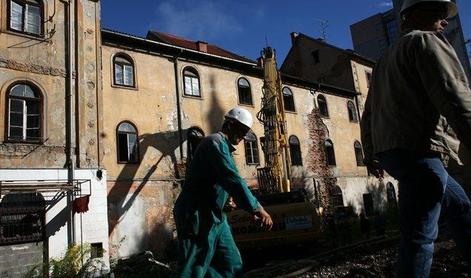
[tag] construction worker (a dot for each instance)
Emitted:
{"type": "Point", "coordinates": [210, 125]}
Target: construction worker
{"type": "Point", "coordinates": [419, 91]}
{"type": "Point", "coordinates": [206, 245]}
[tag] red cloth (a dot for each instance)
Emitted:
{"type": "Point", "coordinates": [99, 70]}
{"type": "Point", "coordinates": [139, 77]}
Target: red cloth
{"type": "Point", "coordinates": [80, 205]}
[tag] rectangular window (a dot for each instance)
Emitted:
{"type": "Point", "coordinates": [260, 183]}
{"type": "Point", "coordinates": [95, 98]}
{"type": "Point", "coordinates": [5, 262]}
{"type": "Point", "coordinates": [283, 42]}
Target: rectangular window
{"type": "Point", "coordinates": [132, 147]}
{"type": "Point", "coordinates": [192, 87]}
{"type": "Point", "coordinates": [96, 250]}
{"type": "Point", "coordinates": [17, 119]}
{"type": "Point", "coordinates": [368, 78]}
{"type": "Point", "coordinates": [118, 74]}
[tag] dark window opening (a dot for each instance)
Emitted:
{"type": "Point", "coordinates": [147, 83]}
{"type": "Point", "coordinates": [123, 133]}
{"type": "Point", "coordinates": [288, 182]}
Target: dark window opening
{"type": "Point", "coordinates": [368, 204]}
{"type": "Point", "coordinates": [191, 82]}
{"type": "Point", "coordinates": [358, 153]}
{"type": "Point", "coordinates": [245, 93]}
{"type": "Point", "coordinates": [391, 195]}
{"type": "Point", "coordinates": [251, 149]}
{"type": "Point", "coordinates": [330, 153]}
{"type": "Point", "coordinates": [337, 197]}
{"type": "Point", "coordinates": [288, 99]}
{"type": "Point", "coordinates": [315, 56]}
{"type": "Point", "coordinates": [368, 78]}
{"type": "Point", "coordinates": [352, 112]}
{"type": "Point", "coordinates": [96, 250]}
{"type": "Point", "coordinates": [128, 151]}
{"type": "Point", "coordinates": [322, 104]}
{"type": "Point", "coordinates": [295, 151]}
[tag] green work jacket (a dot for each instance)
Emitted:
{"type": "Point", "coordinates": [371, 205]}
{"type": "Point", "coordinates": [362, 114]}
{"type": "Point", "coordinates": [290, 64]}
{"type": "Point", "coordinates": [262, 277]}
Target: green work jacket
{"type": "Point", "coordinates": [211, 177]}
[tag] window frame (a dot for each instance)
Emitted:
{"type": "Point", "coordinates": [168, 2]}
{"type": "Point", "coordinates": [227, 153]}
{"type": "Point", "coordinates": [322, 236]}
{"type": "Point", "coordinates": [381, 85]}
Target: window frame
{"type": "Point", "coordinates": [130, 60]}
{"type": "Point", "coordinates": [23, 3]}
{"type": "Point", "coordinates": [330, 162]}
{"type": "Point", "coordinates": [193, 71]}
{"type": "Point", "coordinates": [39, 100]}
{"type": "Point", "coordinates": [118, 154]}
{"type": "Point", "coordinates": [249, 92]}
{"type": "Point", "coordinates": [252, 145]}
{"type": "Point", "coordinates": [358, 148]}
{"type": "Point", "coordinates": [352, 112]}
{"type": "Point", "coordinates": [337, 196]}
{"type": "Point", "coordinates": [285, 98]}
{"type": "Point", "coordinates": [293, 151]}
{"type": "Point", "coordinates": [326, 115]}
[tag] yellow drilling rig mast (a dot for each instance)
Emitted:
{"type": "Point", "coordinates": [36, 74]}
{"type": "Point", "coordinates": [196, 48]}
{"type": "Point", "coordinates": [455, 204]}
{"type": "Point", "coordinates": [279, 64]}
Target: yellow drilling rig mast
{"type": "Point", "coordinates": [274, 177]}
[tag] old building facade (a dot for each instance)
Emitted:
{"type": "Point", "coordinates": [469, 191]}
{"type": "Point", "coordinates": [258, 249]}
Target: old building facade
{"type": "Point", "coordinates": [50, 105]}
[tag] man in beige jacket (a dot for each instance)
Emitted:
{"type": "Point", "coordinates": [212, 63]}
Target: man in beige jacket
{"type": "Point", "coordinates": [419, 92]}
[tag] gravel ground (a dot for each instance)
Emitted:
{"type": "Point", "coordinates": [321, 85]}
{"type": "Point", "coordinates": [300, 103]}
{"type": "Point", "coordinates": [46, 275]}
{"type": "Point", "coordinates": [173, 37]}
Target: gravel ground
{"type": "Point", "coordinates": [364, 263]}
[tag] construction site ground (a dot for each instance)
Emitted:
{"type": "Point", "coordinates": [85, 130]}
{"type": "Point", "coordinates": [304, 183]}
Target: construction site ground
{"type": "Point", "coordinates": [375, 257]}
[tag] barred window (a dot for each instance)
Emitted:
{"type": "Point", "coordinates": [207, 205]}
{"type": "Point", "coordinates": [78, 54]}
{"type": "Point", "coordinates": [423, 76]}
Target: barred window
{"type": "Point", "coordinates": [123, 70]}
{"type": "Point", "coordinates": [127, 143]}
{"type": "Point", "coordinates": [245, 93]}
{"type": "Point", "coordinates": [251, 149]}
{"type": "Point", "coordinates": [295, 151]}
{"type": "Point", "coordinates": [26, 16]}
{"type": "Point", "coordinates": [24, 116]}
{"type": "Point", "coordinates": [191, 82]}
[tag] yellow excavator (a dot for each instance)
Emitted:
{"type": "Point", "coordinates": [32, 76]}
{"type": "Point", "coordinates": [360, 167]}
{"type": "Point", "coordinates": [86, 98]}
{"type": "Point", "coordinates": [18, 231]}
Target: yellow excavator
{"type": "Point", "coordinates": [295, 219]}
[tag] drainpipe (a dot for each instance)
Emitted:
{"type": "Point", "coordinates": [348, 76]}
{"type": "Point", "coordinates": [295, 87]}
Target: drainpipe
{"type": "Point", "coordinates": [177, 92]}
{"type": "Point", "coordinates": [68, 28]}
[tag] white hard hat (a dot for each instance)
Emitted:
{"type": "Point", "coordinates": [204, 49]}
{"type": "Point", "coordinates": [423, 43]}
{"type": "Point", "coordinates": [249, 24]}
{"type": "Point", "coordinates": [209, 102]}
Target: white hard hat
{"type": "Point", "coordinates": [241, 115]}
{"type": "Point", "coordinates": [451, 7]}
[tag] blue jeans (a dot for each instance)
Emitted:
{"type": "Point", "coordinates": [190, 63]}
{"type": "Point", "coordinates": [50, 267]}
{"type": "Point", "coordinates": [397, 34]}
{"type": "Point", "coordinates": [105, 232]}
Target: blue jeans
{"type": "Point", "coordinates": [426, 191]}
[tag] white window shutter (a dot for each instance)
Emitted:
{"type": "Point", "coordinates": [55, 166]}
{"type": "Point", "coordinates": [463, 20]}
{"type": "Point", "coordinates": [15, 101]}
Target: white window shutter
{"type": "Point", "coordinates": [16, 16]}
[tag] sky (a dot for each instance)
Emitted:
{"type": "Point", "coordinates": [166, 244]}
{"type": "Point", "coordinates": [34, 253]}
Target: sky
{"type": "Point", "coordinates": [245, 27]}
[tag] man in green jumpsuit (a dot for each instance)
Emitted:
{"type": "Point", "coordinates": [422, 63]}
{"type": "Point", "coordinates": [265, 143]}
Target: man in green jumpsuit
{"type": "Point", "coordinates": [206, 245]}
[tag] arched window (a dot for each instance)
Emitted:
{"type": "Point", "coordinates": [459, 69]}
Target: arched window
{"type": "Point", "coordinates": [123, 70]}
{"type": "Point", "coordinates": [194, 135]}
{"type": "Point", "coordinates": [245, 93]}
{"type": "Point", "coordinates": [288, 99]}
{"type": "Point", "coordinates": [337, 196]}
{"type": "Point", "coordinates": [26, 16]}
{"type": "Point", "coordinates": [358, 153]}
{"type": "Point", "coordinates": [191, 82]}
{"type": "Point", "coordinates": [127, 141]}
{"type": "Point", "coordinates": [295, 151]}
{"type": "Point", "coordinates": [322, 104]}
{"type": "Point", "coordinates": [352, 112]}
{"type": "Point", "coordinates": [24, 116]}
{"type": "Point", "coordinates": [329, 153]}
{"type": "Point", "coordinates": [251, 149]}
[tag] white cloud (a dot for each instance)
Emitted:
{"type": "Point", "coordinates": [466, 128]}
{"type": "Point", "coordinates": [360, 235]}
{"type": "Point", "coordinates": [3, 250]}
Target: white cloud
{"type": "Point", "coordinates": [202, 20]}
{"type": "Point", "coordinates": [387, 4]}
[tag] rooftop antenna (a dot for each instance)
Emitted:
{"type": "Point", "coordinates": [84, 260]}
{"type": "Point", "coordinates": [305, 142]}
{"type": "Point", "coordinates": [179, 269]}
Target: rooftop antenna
{"type": "Point", "coordinates": [324, 23]}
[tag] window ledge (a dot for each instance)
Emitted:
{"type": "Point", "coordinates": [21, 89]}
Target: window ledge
{"type": "Point", "coordinates": [247, 105]}
{"type": "Point", "coordinates": [11, 141]}
{"type": "Point", "coordinates": [291, 112]}
{"type": "Point", "coordinates": [192, 97]}
{"type": "Point", "coordinates": [124, 87]}
{"type": "Point", "coordinates": [40, 38]}
{"type": "Point", "coordinates": [128, 163]}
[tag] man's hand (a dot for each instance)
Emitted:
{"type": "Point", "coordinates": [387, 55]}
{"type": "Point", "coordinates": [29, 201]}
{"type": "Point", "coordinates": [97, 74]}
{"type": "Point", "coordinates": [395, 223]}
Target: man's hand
{"type": "Point", "coordinates": [374, 168]}
{"type": "Point", "coordinates": [265, 218]}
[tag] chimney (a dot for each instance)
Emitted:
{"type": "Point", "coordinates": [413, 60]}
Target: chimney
{"type": "Point", "coordinates": [294, 35]}
{"type": "Point", "coordinates": [202, 46]}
